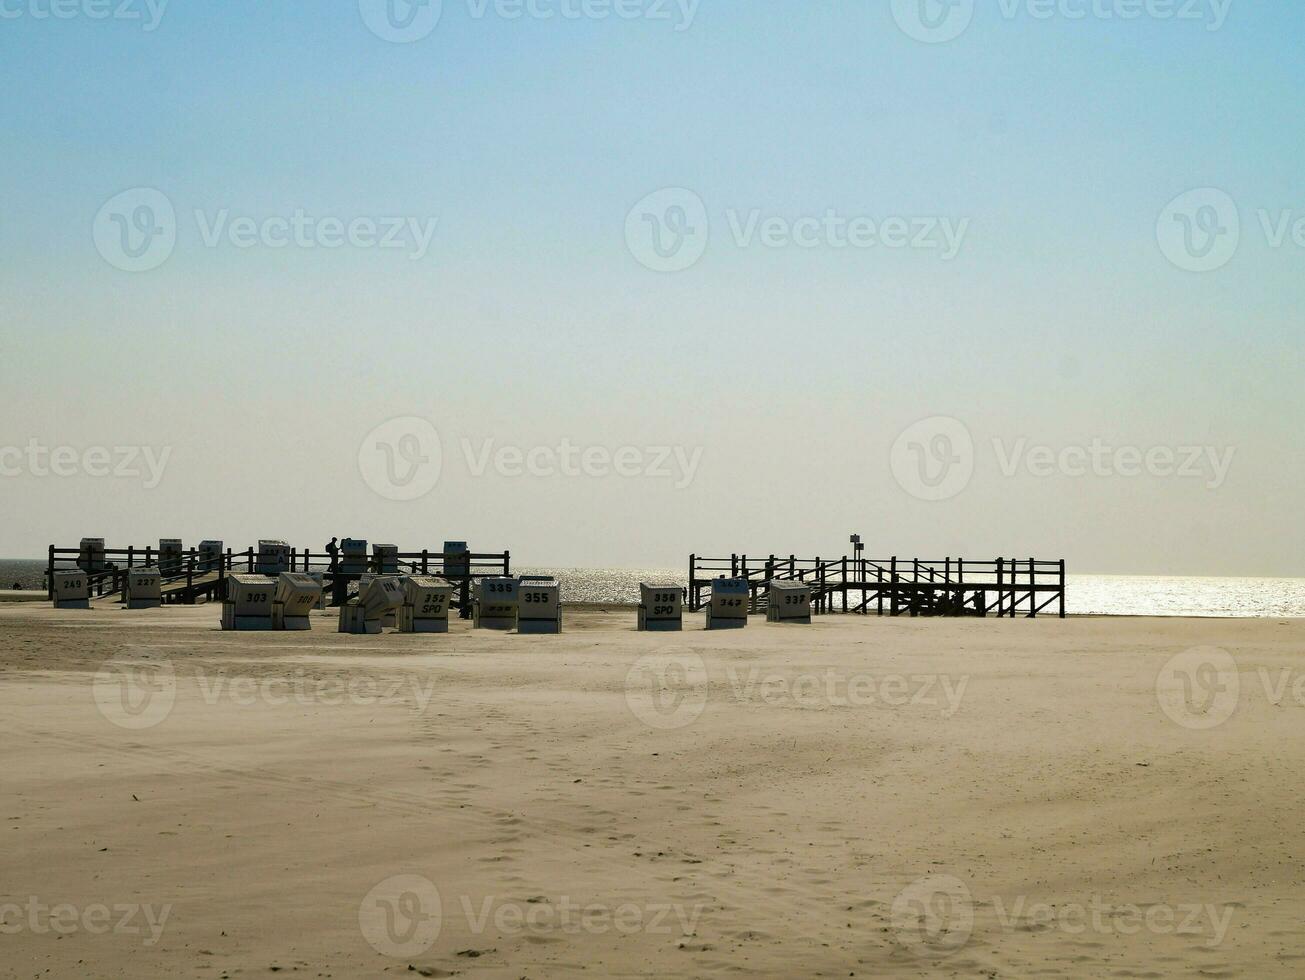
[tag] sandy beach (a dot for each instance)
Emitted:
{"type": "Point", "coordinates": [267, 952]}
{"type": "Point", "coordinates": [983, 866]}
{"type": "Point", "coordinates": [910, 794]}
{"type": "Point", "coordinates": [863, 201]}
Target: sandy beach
{"type": "Point", "coordinates": [861, 797]}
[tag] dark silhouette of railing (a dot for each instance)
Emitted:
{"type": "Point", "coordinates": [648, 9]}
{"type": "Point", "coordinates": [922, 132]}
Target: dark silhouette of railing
{"type": "Point", "coordinates": [895, 586]}
{"type": "Point", "coordinates": [192, 575]}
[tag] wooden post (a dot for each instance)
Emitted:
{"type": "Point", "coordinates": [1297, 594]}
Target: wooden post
{"type": "Point", "coordinates": [49, 577]}
{"type": "Point", "coordinates": [693, 584]}
{"type": "Point", "coordinates": [1001, 593]}
{"type": "Point", "coordinates": [1062, 588]}
{"type": "Point", "coordinates": [893, 586]}
{"type": "Point", "coordinates": [1014, 586]}
{"type": "Point", "coordinates": [1033, 591]}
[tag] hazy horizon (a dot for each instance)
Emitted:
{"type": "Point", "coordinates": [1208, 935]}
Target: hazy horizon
{"type": "Point", "coordinates": [605, 290]}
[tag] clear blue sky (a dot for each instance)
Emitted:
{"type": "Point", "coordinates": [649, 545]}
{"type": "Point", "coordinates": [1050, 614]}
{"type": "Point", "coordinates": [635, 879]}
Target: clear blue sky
{"type": "Point", "coordinates": [1061, 320]}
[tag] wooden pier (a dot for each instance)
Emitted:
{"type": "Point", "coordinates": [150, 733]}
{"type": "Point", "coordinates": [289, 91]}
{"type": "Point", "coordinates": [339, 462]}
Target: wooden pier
{"type": "Point", "coordinates": [1005, 587]}
{"type": "Point", "coordinates": [191, 577]}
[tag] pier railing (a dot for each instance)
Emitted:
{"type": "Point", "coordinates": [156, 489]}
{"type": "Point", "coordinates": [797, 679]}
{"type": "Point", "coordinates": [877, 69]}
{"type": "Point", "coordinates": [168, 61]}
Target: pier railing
{"type": "Point", "coordinates": [896, 586]}
{"type": "Point", "coordinates": [191, 575]}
